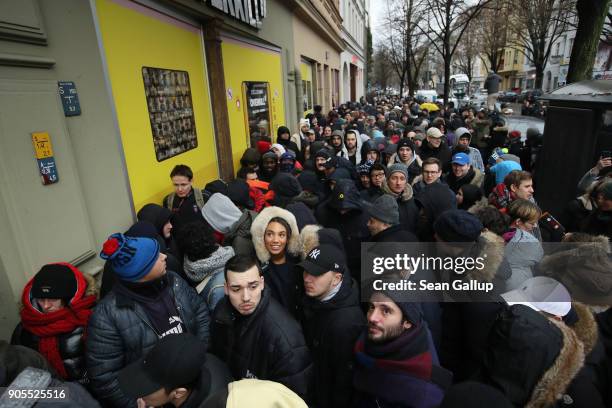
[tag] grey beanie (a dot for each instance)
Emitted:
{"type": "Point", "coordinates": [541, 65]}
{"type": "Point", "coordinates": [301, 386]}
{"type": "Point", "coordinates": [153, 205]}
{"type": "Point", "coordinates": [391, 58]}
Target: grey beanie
{"type": "Point", "coordinates": [397, 167]}
{"type": "Point", "coordinates": [221, 213]}
{"type": "Point", "coordinates": [385, 209]}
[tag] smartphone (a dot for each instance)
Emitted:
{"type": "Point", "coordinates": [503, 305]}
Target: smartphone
{"type": "Point", "coordinates": [606, 154]}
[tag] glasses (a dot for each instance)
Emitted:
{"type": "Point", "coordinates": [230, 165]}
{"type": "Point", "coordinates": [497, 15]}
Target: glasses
{"type": "Point", "coordinates": [378, 175]}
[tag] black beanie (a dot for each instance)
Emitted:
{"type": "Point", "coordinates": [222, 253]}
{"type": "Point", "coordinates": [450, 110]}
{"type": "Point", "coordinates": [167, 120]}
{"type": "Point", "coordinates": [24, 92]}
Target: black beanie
{"type": "Point", "coordinates": [286, 185]}
{"type": "Point", "coordinates": [458, 226]}
{"type": "Point", "coordinates": [54, 281]}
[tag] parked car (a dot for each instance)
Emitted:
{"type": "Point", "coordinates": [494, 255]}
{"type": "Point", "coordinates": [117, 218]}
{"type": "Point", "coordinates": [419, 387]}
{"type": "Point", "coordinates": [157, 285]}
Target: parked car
{"type": "Point", "coordinates": [479, 98]}
{"type": "Point", "coordinates": [507, 96]}
{"type": "Point", "coordinates": [530, 95]}
{"type": "Point", "coordinates": [522, 123]}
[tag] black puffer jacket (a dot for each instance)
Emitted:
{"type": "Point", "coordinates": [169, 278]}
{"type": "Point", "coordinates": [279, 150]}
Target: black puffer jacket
{"type": "Point", "coordinates": [331, 329]}
{"type": "Point", "coordinates": [71, 349]}
{"type": "Point", "coordinates": [120, 332]}
{"type": "Point", "coordinates": [268, 344]}
{"type": "Point", "coordinates": [352, 224]}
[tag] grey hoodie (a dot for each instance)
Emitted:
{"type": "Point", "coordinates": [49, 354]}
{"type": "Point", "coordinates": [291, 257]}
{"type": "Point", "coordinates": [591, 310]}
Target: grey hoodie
{"type": "Point", "coordinates": [221, 213]}
{"type": "Point", "coordinates": [201, 269]}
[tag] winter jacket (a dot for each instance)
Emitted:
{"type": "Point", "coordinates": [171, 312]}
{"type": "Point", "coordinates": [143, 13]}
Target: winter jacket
{"type": "Point", "coordinates": [532, 359]}
{"type": "Point", "coordinates": [352, 224]}
{"type": "Point", "coordinates": [331, 329]}
{"type": "Point", "coordinates": [267, 345]}
{"type": "Point", "coordinates": [433, 200]}
{"type": "Point", "coordinates": [395, 233]}
{"type": "Point", "coordinates": [522, 252]}
{"type": "Point", "coordinates": [408, 210]}
{"type": "Point", "coordinates": [473, 176]}
{"type": "Point", "coordinates": [239, 235]}
{"type": "Point", "coordinates": [75, 396]}
{"type": "Point", "coordinates": [207, 274]}
{"type": "Point", "coordinates": [584, 269]}
{"type": "Point", "coordinates": [442, 153]}
{"type": "Point", "coordinates": [120, 332]}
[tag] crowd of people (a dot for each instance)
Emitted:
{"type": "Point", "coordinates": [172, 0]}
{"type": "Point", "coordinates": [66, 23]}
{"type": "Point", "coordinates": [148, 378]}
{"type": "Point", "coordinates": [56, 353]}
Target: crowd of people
{"type": "Point", "coordinates": [248, 293]}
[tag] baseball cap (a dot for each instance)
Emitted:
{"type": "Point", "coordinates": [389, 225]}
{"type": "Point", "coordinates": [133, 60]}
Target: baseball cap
{"type": "Point", "coordinates": [175, 360]}
{"type": "Point", "coordinates": [461, 159]}
{"type": "Point", "coordinates": [541, 294]}
{"type": "Point", "coordinates": [434, 132]}
{"type": "Point", "coordinates": [323, 259]}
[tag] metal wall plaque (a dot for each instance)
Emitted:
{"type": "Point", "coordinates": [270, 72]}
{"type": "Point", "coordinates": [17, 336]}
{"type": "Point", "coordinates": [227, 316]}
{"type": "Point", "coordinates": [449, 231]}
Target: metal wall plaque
{"type": "Point", "coordinates": [70, 98]}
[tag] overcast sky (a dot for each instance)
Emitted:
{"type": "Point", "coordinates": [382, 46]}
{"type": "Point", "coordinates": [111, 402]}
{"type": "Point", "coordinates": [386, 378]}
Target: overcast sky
{"type": "Point", "coordinates": [378, 9]}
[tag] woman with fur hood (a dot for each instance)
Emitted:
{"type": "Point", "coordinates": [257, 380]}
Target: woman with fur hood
{"type": "Point", "coordinates": [204, 260]}
{"type": "Point", "coordinates": [276, 240]}
{"type": "Point", "coordinates": [56, 305]}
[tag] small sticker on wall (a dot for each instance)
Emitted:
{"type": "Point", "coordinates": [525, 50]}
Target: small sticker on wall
{"type": "Point", "coordinates": [230, 93]}
{"type": "Point", "coordinates": [238, 104]}
{"type": "Point", "coordinates": [276, 93]}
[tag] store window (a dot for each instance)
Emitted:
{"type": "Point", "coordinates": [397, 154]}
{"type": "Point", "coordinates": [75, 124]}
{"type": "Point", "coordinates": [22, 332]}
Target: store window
{"type": "Point", "coordinates": [256, 96]}
{"type": "Point", "coordinates": [307, 89]}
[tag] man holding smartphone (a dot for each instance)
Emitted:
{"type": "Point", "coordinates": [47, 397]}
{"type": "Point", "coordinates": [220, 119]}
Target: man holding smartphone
{"type": "Point", "coordinates": [602, 167]}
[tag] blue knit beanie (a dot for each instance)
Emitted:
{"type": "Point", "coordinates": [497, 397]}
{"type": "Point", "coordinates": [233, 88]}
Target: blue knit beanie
{"type": "Point", "coordinates": [131, 258]}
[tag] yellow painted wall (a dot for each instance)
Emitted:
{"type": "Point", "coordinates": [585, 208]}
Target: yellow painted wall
{"type": "Point", "coordinates": [306, 72]}
{"type": "Point", "coordinates": [134, 37]}
{"type": "Point", "coordinates": [247, 63]}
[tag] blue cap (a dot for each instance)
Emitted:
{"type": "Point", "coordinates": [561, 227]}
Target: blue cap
{"type": "Point", "coordinates": [461, 159]}
{"type": "Point", "coordinates": [131, 258]}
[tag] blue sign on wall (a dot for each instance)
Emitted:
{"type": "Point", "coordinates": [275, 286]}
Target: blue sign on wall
{"type": "Point", "coordinates": [48, 170]}
{"type": "Point", "coordinates": [70, 99]}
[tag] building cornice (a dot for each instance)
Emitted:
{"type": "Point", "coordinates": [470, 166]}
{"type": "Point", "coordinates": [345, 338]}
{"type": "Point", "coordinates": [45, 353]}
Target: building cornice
{"type": "Point", "coordinates": [313, 16]}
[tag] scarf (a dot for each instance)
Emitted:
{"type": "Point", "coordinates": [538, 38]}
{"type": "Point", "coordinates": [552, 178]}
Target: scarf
{"type": "Point", "coordinates": [408, 354]}
{"type": "Point", "coordinates": [501, 197]}
{"type": "Point", "coordinates": [48, 326]}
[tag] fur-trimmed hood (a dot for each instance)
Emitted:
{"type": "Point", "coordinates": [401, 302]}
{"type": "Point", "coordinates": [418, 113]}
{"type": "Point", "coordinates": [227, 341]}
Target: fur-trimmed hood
{"type": "Point", "coordinates": [585, 269]}
{"type": "Point", "coordinates": [258, 228]}
{"type": "Point", "coordinates": [491, 245]}
{"type": "Point", "coordinates": [407, 194]}
{"type": "Point", "coordinates": [553, 384]}
{"type": "Point", "coordinates": [586, 327]}
{"type": "Point", "coordinates": [478, 205]}
{"type": "Point", "coordinates": [314, 235]}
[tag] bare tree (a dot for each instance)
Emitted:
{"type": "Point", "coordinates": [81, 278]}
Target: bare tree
{"type": "Point", "coordinates": [492, 27]}
{"type": "Point", "coordinates": [383, 72]}
{"type": "Point", "coordinates": [468, 50]}
{"type": "Point", "coordinates": [537, 25]}
{"type": "Point", "coordinates": [591, 18]}
{"type": "Point", "coordinates": [403, 40]}
{"type": "Point", "coordinates": [445, 24]}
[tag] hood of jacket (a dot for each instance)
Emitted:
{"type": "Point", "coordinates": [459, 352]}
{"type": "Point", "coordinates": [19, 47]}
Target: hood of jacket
{"type": "Point", "coordinates": [156, 215]}
{"type": "Point", "coordinates": [221, 213]}
{"type": "Point", "coordinates": [550, 351]}
{"type": "Point", "coordinates": [242, 227]}
{"type": "Point", "coordinates": [358, 147]}
{"type": "Point", "coordinates": [492, 249]}
{"type": "Point", "coordinates": [586, 327]}
{"type": "Point", "coordinates": [258, 229]}
{"type": "Point", "coordinates": [250, 155]}
{"type": "Point", "coordinates": [436, 198]}
{"type": "Point", "coordinates": [584, 269]}
{"type": "Point", "coordinates": [202, 268]}
{"type": "Point", "coordinates": [345, 196]}
{"type": "Point", "coordinates": [406, 195]}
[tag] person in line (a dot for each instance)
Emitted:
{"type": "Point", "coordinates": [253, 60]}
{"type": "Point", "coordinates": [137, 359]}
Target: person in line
{"type": "Point", "coordinates": [57, 304]}
{"type": "Point", "coordinates": [146, 303]}
{"type": "Point", "coordinates": [332, 322]}
{"type": "Point", "coordinates": [188, 381]}
{"type": "Point", "coordinates": [396, 361]}
{"type": "Point", "coordinates": [275, 238]}
{"type": "Point", "coordinates": [255, 335]}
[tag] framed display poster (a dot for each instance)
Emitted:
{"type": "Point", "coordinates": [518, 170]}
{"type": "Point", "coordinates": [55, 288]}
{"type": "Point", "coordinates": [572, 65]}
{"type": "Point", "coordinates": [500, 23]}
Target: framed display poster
{"type": "Point", "coordinates": [170, 110]}
{"type": "Point", "coordinates": [256, 97]}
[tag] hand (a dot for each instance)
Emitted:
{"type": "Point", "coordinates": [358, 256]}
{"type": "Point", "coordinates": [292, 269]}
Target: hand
{"type": "Point", "coordinates": [603, 162]}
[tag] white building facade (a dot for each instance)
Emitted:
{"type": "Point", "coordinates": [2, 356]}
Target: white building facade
{"type": "Point", "coordinates": [355, 22]}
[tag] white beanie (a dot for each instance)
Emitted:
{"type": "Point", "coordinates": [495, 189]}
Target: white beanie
{"type": "Point", "coordinates": [221, 213]}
